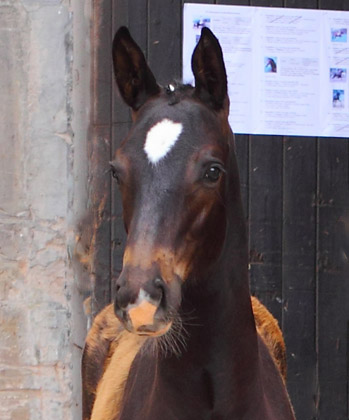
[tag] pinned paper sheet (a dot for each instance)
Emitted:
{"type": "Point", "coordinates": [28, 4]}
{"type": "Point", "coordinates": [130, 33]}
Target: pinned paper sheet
{"type": "Point", "coordinates": [287, 68]}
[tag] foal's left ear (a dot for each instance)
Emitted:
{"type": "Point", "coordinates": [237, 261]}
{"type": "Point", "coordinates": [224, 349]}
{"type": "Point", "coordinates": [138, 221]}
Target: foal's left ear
{"type": "Point", "coordinates": [209, 71]}
{"type": "Point", "coordinates": [134, 78]}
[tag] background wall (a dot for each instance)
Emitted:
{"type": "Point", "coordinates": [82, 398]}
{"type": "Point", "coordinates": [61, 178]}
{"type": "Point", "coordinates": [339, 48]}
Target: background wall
{"type": "Point", "coordinates": [44, 112]}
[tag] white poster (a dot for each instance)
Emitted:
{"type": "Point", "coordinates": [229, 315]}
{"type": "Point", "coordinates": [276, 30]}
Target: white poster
{"type": "Point", "coordinates": [287, 68]}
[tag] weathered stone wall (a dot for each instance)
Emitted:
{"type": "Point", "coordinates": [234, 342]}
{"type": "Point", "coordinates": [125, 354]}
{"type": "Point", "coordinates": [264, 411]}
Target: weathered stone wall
{"type": "Point", "coordinates": [44, 85]}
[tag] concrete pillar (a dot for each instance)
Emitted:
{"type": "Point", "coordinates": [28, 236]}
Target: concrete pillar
{"type": "Point", "coordinates": [44, 110]}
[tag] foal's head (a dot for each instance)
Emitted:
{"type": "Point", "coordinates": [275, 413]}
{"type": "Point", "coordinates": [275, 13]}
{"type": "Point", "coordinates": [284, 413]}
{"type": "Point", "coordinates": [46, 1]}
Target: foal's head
{"type": "Point", "coordinates": [172, 170]}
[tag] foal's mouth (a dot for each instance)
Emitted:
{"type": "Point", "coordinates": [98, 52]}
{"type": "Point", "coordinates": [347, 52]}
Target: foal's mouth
{"type": "Point", "coordinates": [144, 319]}
{"type": "Point", "coordinates": [151, 331]}
{"type": "Point", "coordinates": [148, 330]}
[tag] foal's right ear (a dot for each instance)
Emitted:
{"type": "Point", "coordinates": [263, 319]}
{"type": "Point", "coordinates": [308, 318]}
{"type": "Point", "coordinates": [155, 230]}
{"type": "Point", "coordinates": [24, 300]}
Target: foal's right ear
{"type": "Point", "coordinates": [134, 78]}
{"type": "Point", "coordinates": [209, 72]}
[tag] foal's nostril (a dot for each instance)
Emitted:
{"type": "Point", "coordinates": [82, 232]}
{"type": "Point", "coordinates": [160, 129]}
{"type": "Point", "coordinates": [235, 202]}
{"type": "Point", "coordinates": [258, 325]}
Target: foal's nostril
{"type": "Point", "coordinates": [160, 286]}
{"type": "Point", "coordinates": [118, 286]}
{"type": "Point", "coordinates": [158, 282]}
{"type": "Point", "coordinates": [122, 297]}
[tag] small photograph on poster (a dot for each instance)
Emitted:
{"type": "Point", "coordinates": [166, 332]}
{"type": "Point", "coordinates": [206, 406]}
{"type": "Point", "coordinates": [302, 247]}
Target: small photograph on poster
{"type": "Point", "coordinates": [338, 98]}
{"type": "Point", "coordinates": [339, 34]}
{"type": "Point", "coordinates": [338, 74]}
{"type": "Point", "coordinates": [201, 23]}
{"type": "Point", "coordinates": [270, 64]}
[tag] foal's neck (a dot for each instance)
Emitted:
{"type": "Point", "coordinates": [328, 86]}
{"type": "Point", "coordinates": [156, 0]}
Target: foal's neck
{"type": "Point", "coordinates": [223, 335]}
{"type": "Point", "coordinates": [222, 340]}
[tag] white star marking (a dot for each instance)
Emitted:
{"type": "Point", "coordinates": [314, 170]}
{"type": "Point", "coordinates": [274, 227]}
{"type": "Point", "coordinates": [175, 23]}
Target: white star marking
{"type": "Point", "coordinates": [161, 138]}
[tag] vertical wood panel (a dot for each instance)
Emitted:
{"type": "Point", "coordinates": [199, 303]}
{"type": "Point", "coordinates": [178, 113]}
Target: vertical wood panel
{"type": "Point", "coordinates": [165, 39]}
{"type": "Point", "coordinates": [265, 212]}
{"type": "Point", "coordinates": [199, 1]}
{"type": "Point", "coordinates": [234, 2]}
{"type": "Point", "coordinates": [99, 152]}
{"type": "Point", "coordinates": [299, 256]}
{"type": "Point", "coordinates": [138, 23]}
{"type": "Point", "coordinates": [298, 263]}
{"type": "Point", "coordinates": [99, 203]}
{"type": "Point", "coordinates": [332, 285]}
{"type": "Point", "coordinates": [242, 155]}
{"type": "Point", "coordinates": [120, 15]}
{"type": "Point", "coordinates": [101, 42]}
{"type": "Point", "coordinates": [333, 4]}
{"type": "Point", "coordinates": [266, 220]}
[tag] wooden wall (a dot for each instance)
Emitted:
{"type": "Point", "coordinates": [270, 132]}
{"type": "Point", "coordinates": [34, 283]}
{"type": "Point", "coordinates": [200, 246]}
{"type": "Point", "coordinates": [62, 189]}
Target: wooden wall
{"type": "Point", "coordinates": [295, 190]}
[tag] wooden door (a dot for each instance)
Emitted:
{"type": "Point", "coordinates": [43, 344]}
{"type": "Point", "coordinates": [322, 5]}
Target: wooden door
{"type": "Point", "coordinates": [295, 190]}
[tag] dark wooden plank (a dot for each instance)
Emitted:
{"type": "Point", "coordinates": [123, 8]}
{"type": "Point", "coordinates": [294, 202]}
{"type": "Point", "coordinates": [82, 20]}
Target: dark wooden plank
{"type": "Point", "coordinates": [265, 218]}
{"type": "Point", "coordinates": [298, 272]}
{"type": "Point", "coordinates": [265, 211]}
{"type": "Point", "coordinates": [99, 204]}
{"type": "Point", "coordinates": [99, 154]}
{"type": "Point", "coordinates": [299, 278]}
{"type": "Point", "coordinates": [299, 231]}
{"type": "Point", "coordinates": [266, 244]}
{"type": "Point", "coordinates": [234, 2]}
{"type": "Point", "coordinates": [101, 69]}
{"type": "Point", "coordinates": [332, 284]}
{"type": "Point", "coordinates": [138, 23]}
{"type": "Point", "coordinates": [120, 17]}
{"type": "Point", "coordinates": [332, 394]}
{"type": "Point", "coordinates": [333, 4]}
{"type": "Point", "coordinates": [199, 1]}
{"type": "Point", "coordinates": [242, 155]}
{"type": "Point", "coordinates": [165, 39]}
{"type": "Point", "coordinates": [302, 4]}
{"type": "Point", "coordinates": [267, 3]}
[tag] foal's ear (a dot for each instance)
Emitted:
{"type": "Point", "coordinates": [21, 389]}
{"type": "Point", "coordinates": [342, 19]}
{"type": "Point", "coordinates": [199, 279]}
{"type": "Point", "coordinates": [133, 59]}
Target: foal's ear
{"type": "Point", "coordinates": [134, 78]}
{"type": "Point", "coordinates": [209, 71]}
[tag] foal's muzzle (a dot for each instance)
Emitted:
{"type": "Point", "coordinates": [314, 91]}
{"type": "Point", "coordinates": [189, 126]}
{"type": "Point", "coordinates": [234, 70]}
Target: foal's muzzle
{"type": "Point", "coordinates": [142, 310]}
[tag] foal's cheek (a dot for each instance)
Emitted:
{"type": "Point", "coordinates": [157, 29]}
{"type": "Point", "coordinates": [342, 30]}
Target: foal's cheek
{"type": "Point", "coordinates": [127, 210]}
{"type": "Point", "coordinates": [198, 224]}
{"type": "Point", "coordinates": [210, 215]}
{"type": "Point", "coordinates": [203, 238]}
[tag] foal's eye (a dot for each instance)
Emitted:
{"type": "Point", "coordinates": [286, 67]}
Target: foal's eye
{"type": "Point", "coordinates": [213, 173]}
